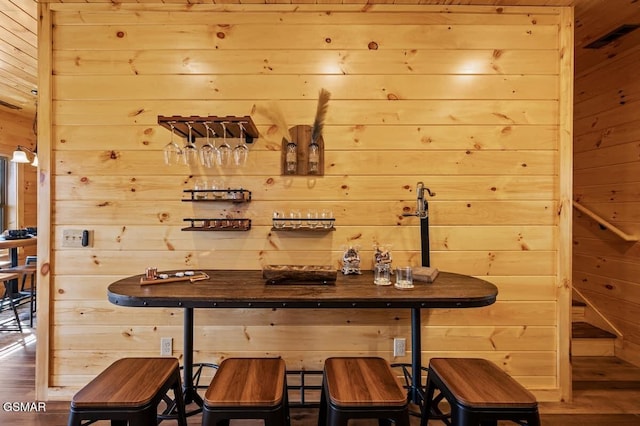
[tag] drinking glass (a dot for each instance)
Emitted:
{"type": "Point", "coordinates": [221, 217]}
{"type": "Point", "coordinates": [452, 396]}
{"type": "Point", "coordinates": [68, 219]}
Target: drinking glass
{"type": "Point", "coordinates": [295, 218]}
{"type": "Point", "coordinates": [218, 185]}
{"type": "Point", "coordinates": [172, 151]}
{"type": "Point", "coordinates": [190, 149]}
{"type": "Point", "coordinates": [224, 150]}
{"type": "Point", "coordinates": [200, 185]}
{"type": "Point", "coordinates": [278, 214]}
{"type": "Point", "coordinates": [312, 218]}
{"type": "Point", "coordinates": [325, 218]}
{"type": "Point", "coordinates": [404, 277]}
{"type": "Point", "coordinates": [241, 151]}
{"type": "Point", "coordinates": [382, 274]}
{"type": "Point", "coordinates": [208, 151]}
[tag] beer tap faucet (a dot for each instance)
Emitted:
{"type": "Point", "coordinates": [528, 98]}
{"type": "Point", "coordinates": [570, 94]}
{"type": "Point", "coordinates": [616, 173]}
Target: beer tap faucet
{"type": "Point", "coordinates": [422, 206]}
{"type": "Point", "coordinates": [422, 212]}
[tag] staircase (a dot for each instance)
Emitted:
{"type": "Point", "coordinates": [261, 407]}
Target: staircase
{"type": "Point", "coordinates": [587, 339]}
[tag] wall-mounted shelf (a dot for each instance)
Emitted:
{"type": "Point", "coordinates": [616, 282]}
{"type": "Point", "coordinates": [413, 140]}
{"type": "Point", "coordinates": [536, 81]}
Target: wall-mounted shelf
{"type": "Point", "coordinates": [198, 129]}
{"type": "Point", "coordinates": [218, 224]}
{"type": "Point", "coordinates": [325, 225]}
{"type": "Point", "coordinates": [217, 195]}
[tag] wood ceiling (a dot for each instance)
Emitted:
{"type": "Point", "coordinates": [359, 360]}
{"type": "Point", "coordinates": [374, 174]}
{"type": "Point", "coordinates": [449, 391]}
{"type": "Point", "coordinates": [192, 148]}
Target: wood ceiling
{"type": "Point", "coordinates": [18, 33]}
{"type": "Point", "coordinates": [18, 55]}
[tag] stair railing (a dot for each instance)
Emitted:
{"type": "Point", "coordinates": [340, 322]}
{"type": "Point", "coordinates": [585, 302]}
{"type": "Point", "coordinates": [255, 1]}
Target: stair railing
{"type": "Point", "coordinates": [605, 223]}
{"type": "Point", "coordinates": [597, 318]}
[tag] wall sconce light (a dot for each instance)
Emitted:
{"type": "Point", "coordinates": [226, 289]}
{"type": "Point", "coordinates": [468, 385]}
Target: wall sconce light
{"type": "Point", "coordinates": [20, 156]}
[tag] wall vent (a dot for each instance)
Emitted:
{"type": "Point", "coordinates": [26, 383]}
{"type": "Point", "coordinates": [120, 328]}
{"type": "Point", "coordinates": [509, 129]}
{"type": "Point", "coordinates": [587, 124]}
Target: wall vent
{"type": "Point", "coordinates": [612, 36]}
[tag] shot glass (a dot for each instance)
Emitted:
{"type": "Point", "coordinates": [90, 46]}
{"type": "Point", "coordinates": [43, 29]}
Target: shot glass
{"type": "Point", "coordinates": [404, 277]}
{"type": "Point", "coordinates": [326, 217]}
{"type": "Point", "coordinates": [218, 186]}
{"type": "Point", "coordinates": [200, 185]}
{"type": "Point", "coordinates": [279, 219]}
{"type": "Point", "coordinates": [295, 218]}
{"type": "Point", "coordinates": [312, 218]}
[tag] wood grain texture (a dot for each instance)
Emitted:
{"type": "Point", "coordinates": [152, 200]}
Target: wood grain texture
{"type": "Point", "coordinates": [479, 383]}
{"type": "Point", "coordinates": [128, 382]}
{"type": "Point", "coordinates": [466, 99]}
{"type": "Point", "coordinates": [247, 382]}
{"type": "Point", "coordinates": [362, 381]}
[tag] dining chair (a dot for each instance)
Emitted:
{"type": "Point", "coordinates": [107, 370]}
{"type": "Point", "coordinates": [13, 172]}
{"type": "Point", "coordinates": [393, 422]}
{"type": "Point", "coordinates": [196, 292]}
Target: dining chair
{"type": "Point", "coordinates": [29, 269]}
{"type": "Point", "coordinates": [6, 279]}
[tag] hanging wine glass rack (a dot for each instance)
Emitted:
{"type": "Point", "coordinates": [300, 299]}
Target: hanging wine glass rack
{"type": "Point", "coordinates": [234, 127]}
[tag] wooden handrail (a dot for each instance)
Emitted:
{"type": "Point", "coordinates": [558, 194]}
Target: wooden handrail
{"type": "Point", "coordinates": [604, 223]}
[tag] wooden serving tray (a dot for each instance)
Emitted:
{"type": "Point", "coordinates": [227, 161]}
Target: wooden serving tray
{"type": "Point", "coordinates": [198, 276]}
{"type": "Point", "coordinates": [300, 274]}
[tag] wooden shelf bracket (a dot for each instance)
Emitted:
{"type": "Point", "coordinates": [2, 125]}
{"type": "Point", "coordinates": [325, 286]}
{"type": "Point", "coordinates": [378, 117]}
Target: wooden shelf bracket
{"type": "Point", "coordinates": [605, 223]}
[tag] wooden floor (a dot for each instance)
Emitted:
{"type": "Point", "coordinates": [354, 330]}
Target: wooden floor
{"type": "Point", "coordinates": [606, 393]}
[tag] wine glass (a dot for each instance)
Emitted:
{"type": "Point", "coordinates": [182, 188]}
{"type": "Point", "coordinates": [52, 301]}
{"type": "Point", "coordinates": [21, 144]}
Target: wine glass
{"type": "Point", "coordinates": [241, 151]}
{"type": "Point", "coordinates": [224, 150]}
{"type": "Point", "coordinates": [172, 151]}
{"type": "Point", "coordinates": [190, 149]}
{"type": "Point", "coordinates": [208, 151]}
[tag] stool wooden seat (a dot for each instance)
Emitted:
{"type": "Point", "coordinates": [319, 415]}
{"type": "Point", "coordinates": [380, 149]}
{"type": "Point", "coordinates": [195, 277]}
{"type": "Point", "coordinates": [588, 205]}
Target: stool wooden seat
{"type": "Point", "coordinates": [479, 392]}
{"type": "Point", "coordinates": [129, 392]}
{"type": "Point", "coordinates": [247, 388]}
{"type": "Point", "coordinates": [8, 293]}
{"type": "Point", "coordinates": [361, 387]}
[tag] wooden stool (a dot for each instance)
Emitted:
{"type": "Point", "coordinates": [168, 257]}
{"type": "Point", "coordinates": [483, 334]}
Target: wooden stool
{"type": "Point", "coordinates": [8, 293]}
{"type": "Point", "coordinates": [130, 390]}
{"type": "Point", "coordinates": [247, 388]}
{"type": "Point", "coordinates": [478, 392]}
{"type": "Point", "coordinates": [361, 387]}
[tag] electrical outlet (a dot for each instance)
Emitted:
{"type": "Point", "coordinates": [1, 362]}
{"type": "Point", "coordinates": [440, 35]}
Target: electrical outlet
{"type": "Point", "coordinates": [399, 346]}
{"type": "Point", "coordinates": [166, 346]}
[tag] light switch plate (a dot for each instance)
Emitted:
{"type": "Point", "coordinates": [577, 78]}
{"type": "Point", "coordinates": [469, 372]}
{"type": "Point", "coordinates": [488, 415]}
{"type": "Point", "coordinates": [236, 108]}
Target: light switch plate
{"type": "Point", "coordinates": [72, 238]}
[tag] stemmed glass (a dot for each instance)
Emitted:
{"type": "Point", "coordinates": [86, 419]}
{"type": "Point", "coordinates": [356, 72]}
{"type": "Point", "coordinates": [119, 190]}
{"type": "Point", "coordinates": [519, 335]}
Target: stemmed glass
{"type": "Point", "coordinates": [241, 151]}
{"type": "Point", "coordinates": [224, 150]}
{"type": "Point", "coordinates": [172, 151]}
{"type": "Point", "coordinates": [190, 149]}
{"type": "Point", "coordinates": [208, 151]}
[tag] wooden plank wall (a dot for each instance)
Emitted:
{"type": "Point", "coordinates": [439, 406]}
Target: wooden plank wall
{"type": "Point", "coordinates": [607, 169]}
{"type": "Point", "coordinates": [17, 129]}
{"type": "Point", "coordinates": [466, 101]}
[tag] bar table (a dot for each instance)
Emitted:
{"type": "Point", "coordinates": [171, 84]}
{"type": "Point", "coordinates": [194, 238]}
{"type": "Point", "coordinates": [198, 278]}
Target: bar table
{"type": "Point", "coordinates": [13, 245]}
{"type": "Point", "coordinates": [248, 289]}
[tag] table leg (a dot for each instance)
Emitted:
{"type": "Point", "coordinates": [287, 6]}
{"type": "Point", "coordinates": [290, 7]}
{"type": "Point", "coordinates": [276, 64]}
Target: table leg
{"type": "Point", "coordinates": [190, 391]}
{"type": "Point", "coordinates": [13, 256]}
{"type": "Point", "coordinates": [187, 356]}
{"type": "Point", "coordinates": [415, 394]}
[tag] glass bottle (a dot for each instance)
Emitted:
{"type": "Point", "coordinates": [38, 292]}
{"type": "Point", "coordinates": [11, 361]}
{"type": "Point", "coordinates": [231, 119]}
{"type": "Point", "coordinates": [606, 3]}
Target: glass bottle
{"type": "Point", "coordinates": [291, 159]}
{"type": "Point", "coordinates": [314, 158]}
